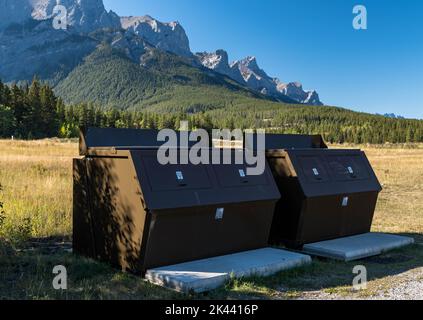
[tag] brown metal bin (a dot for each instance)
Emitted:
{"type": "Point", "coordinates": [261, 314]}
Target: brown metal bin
{"type": "Point", "coordinates": [326, 193]}
{"type": "Point", "coordinates": [136, 214]}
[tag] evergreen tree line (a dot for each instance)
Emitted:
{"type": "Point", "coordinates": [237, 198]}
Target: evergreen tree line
{"type": "Point", "coordinates": [33, 111]}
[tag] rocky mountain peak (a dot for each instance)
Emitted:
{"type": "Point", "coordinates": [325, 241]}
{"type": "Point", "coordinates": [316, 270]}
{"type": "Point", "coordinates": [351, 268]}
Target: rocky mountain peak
{"type": "Point", "coordinates": [295, 91]}
{"type": "Point", "coordinates": [249, 61]}
{"type": "Point", "coordinates": [218, 61]}
{"type": "Point", "coordinates": [169, 36]}
{"type": "Point", "coordinates": [247, 72]}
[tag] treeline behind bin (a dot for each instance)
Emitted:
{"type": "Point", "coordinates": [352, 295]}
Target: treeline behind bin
{"type": "Point", "coordinates": [33, 111]}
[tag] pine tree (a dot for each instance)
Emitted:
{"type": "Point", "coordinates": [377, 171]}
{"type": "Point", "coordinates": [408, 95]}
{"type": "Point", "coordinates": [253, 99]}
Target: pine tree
{"type": "Point", "coordinates": [32, 118]}
{"type": "Point", "coordinates": [49, 116]}
{"type": "Point", "coordinates": [20, 108]}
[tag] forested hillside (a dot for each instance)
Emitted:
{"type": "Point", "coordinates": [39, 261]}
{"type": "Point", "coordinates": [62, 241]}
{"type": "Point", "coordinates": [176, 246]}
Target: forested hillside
{"type": "Point", "coordinates": [34, 111]}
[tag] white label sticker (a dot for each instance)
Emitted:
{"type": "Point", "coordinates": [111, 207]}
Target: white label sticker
{"type": "Point", "coordinates": [345, 202]}
{"type": "Point", "coordinates": [179, 175]}
{"type": "Point", "coordinates": [242, 173]}
{"type": "Point", "coordinates": [350, 170]}
{"type": "Point", "coordinates": [315, 171]}
{"type": "Point", "coordinates": [219, 213]}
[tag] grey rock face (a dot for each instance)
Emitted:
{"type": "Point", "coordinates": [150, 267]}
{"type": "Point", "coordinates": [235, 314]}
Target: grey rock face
{"type": "Point", "coordinates": [44, 51]}
{"type": "Point", "coordinates": [218, 61]}
{"type": "Point", "coordinates": [14, 11]}
{"type": "Point", "coordinates": [165, 36]}
{"type": "Point", "coordinates": [89, 15]}
{"type": "Point", "coordinates": [29, 45]}
{"type": "Point", "coordinates": [82, 15]}
{"type": "Point", "coordinates": [255, 77]}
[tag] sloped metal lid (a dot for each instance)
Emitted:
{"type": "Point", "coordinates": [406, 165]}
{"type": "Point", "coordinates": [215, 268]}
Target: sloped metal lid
{"type": "Point", "coordinates": [123, 139]}
{"type": "Point", "coordinates": [329, 172]}
{"type": "Point", "coordinates": [286, 141]}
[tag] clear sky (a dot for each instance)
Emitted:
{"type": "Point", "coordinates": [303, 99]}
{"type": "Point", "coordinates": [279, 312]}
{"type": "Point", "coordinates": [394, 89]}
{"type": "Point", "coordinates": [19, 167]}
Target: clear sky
{"type": "Point", "coordinates": [378, 70]}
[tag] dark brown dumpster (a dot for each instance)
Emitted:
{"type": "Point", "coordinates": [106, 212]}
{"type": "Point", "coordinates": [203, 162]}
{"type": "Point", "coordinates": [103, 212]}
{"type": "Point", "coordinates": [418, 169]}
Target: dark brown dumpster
{"type": "Point", "coordinates": [326, 194]}
{"type": "Point", "coordinates": [137, 214]}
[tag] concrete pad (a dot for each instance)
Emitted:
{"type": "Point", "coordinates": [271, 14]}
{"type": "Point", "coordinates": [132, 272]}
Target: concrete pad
{"type": "Point", "coordinates": [208, 274]}
{"type": "Point", "coordinates": [357, 247]}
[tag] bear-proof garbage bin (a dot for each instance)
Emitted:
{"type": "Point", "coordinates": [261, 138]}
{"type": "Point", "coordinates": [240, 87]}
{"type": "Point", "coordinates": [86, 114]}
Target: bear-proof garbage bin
{"type": "Point", "coordinates": [133, 212]}
{"type": "Point", "coordinates": [326, 193]}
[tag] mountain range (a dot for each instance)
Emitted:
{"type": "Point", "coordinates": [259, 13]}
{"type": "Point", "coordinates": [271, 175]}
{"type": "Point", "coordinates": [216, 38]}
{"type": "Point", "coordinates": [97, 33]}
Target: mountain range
{"type": "Point", "coordinates": [125, 61]}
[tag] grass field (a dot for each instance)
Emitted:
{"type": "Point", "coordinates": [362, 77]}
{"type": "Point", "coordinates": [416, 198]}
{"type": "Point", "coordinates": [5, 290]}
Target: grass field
{"type": "Point", "coordinates": [36, 227]}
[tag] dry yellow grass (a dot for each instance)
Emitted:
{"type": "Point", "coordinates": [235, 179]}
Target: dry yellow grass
{"type": "Point", "coordinates": [37, 184]}
{"type": "Point", "coordinates": [400, 206]}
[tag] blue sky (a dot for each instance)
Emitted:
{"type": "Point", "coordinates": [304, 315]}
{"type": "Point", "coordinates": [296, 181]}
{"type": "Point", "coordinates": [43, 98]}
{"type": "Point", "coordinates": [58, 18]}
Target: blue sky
{"type": "Point", "coordinates": [378, 70]}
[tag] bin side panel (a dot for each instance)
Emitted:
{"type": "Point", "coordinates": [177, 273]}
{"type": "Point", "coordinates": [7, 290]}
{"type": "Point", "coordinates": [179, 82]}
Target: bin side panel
{"type": "Point", "coordinates": [82, 240]}
{"type": "Point", "coordinates": [182, 235]}
{"type": "Point", "coordinates": [118, 216]}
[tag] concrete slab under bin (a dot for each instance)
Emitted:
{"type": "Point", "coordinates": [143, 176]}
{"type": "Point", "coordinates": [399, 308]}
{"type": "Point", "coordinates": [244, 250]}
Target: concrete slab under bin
{"type": "Point", "coordinates": [208, 274]}
{"type": "Point", "coordinates": [357, 247]}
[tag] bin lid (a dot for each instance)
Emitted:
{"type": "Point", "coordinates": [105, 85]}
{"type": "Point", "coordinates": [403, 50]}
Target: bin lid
{"type": "Point", "coordinates": [324, 172]}
{"type": "Point", "coordinates": [286, 141]}
{"type": "Point", "coordinates": [187, 185]}
{"type": "Point", "coordinates": [122, 139]}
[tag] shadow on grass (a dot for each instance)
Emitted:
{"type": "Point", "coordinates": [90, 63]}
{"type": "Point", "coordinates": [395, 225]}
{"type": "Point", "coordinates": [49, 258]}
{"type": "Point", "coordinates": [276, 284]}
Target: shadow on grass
{"type": "Point", "coordinates": [27, 274]}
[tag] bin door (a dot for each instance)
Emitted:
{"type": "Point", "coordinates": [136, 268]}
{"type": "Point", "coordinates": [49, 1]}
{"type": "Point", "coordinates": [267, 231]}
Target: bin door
{"type": "Point", "coordinates": [236, 176]}
{"type": "Point", "coordinates": [313, 169]}
{"type": "Point", "coordinates": [347, 167]}
{"type": "Point", "coordinates": [175, 177]}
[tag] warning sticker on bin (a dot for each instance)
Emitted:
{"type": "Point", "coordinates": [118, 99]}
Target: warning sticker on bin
{"type": "Point", "coordinates": [345, 202]}
{"type": "Point", "coordinates": [219, 213]}
{"type": "Point", "coordinates": [179, 175]}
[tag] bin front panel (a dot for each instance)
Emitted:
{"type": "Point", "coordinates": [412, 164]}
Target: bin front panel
{"type": "Point", "coordinates": [322, 218]}
{"type": "Point", "coordinates": [187, 234]}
